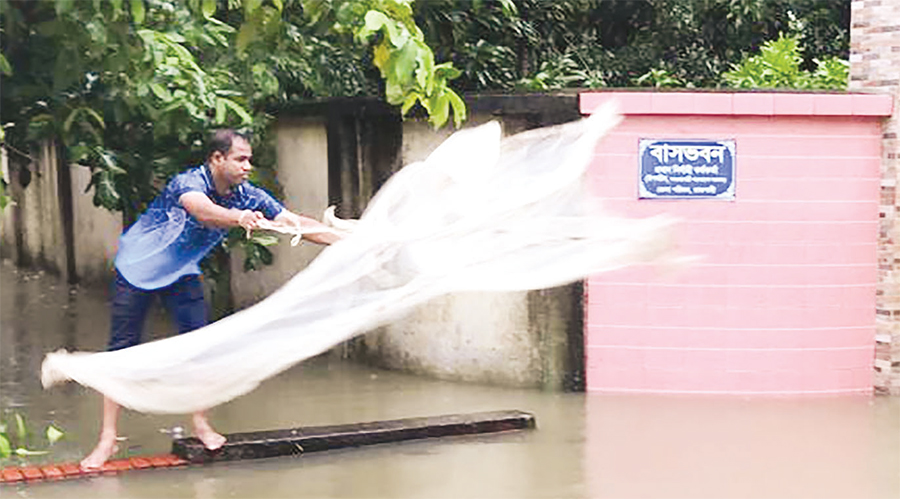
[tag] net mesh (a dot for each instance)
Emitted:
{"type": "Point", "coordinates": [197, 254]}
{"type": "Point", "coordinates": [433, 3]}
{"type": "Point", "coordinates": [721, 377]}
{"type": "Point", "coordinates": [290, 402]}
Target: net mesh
{"type": "Point", "coordinates": [481, 213]}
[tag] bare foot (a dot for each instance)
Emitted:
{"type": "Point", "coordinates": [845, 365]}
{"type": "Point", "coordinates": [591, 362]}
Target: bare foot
{"type": "Point", "coordinates": [101, 453]}
{"type": "Point", "coordinates": [211, 440]}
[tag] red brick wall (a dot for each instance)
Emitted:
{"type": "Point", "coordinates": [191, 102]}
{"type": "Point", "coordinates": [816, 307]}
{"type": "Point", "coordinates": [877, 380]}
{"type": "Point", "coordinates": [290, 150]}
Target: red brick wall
{"type": "Point", "coordinates": [875, 67]}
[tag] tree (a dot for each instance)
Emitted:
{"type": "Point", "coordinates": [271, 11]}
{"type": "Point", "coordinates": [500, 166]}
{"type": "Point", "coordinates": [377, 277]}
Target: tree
{"type": "Point", "coordinates": [164, 71]}
{"type": "Point", "coordinates": [542, 45]}
{"type": "Point", "coordinates": [128, 88]}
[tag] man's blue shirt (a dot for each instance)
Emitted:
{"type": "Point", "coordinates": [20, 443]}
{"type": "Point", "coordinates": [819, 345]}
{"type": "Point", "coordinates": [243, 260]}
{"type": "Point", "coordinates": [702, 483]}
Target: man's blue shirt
{"type": "Point", "coordinates": [167, 243]}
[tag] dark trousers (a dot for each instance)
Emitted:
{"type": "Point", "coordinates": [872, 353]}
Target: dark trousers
{"type": "Point", "coordinates": [183, 299]}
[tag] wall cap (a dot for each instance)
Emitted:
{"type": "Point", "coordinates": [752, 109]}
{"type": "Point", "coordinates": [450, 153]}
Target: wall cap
{"type": "Point", "coordinates": [561, 105]}
{"type": "Point", "coordinates": [769, 103]}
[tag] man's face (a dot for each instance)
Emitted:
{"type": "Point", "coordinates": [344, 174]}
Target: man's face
{"type": "Point", "coordinates": [235, 166]}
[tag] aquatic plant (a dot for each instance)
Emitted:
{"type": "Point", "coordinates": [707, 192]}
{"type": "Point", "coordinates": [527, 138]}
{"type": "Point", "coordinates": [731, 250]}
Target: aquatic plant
{"type": "Point", "coordinates": [16, 438]}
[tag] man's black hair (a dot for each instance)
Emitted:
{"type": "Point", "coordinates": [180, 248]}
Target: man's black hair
{"type": "Point", "coordinates": [221, 140]}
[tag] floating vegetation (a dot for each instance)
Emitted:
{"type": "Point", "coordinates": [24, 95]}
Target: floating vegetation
{"type": "Point", "coordinates": [19, 441]}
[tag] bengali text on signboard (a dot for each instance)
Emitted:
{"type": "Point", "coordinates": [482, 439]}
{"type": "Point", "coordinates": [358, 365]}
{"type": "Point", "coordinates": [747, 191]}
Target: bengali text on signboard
{"type": "Point", "coordinates": [686, 169]}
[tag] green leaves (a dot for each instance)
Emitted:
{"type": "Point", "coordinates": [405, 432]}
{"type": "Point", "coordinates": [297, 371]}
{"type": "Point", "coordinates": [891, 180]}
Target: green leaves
{"type": "Point", "coordinates": [407, 66]}
{"type": "Point", "coordinates": [130, 87]}
{"type": "Point", "coordinates": [21, 429]}
{"type": "Point", "coordinates": [503, 44]}
{"type": "Point", "coordinates": [54, 434]}
{"type": "Point", "coordinates": [138, 11]}
{"type": "Point", "coordinates": [316, 10]}
{"type": "Point", "coordinates": [375, 21]}
{"type": "Point", "coordinates": [264, 239]}
{"type": "Point", "coordinates": [208, 8]}
{"type": "Point", "coordinates": [658, 78]}
{"type": "Point", "coordinates": [5, 446]}
{"type": "Point", "coordinates": [223, 104]}
{"type": "Point", "coordinates": [187, 97]}
{"type": "Point", "coordinates": [250, 6]}
{"type": "Point", "coordinates": [106, 194]}
{"type": "Point", "coordinates": [160, 91]}
{"type": "Point", "coordinates": [831, 73]}
{"type": "Point", "coordinates": [5, 200]}
{"type": "Point", "coordinates": [405, 62]}
{"type": "Point", "coordinates": [778, 66]}
{"type": "Point", "coordinates": [16, 441]}
{"type": "Point", "coordinates": [556, 72]}
{"type": "Point", "coordinates": [245, 36]}
{"type": "Point", "coordinates": [256, 254]}
{"type": "Point", "coordinates": [63, 6]}
{"type": "Point", "coordinates": [5, 68]}
{"type": "Point", "coordinates": [89, 118]}
{"type": "Point", "coordinates": [117, 8]}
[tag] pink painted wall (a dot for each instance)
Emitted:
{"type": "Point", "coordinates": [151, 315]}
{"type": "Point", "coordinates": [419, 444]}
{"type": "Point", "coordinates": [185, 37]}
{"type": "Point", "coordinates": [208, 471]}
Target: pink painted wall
{"type": "Point", "coordinates": [783, 299]}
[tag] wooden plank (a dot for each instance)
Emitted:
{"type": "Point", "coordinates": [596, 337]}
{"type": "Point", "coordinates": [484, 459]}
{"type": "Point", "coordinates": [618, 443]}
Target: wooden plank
{"type": "Point", "coordinates": [273, 443]}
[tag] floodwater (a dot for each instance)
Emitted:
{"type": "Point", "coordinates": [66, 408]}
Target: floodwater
{"type": "Point", "coordinates": [585, 445]}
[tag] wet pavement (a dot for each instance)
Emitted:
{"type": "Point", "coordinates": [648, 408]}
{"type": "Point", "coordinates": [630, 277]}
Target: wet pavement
{"type": "Point", "coordinates": [585, 445]}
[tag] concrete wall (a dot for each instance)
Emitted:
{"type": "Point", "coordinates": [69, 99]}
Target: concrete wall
{"type": "Point", "coordinates": [96, 232]}
{"type": "Point", "coordinates": [302, 169]}
{"type": "Point", "coordinates": [470, 336]}
{"type": "Point", "coordinates": [517, 338]}
{"type": "Point", "coordinates": [50, 200]}
{"type": "Point", "coordinates": [33, 232]}
{"type": "Point", "coordinates": [521, 339]}
{"type": "Point", "coordinates": [875, 67]}
{"type": "Point", "coordinates": [7, 236]}
{"type": "Point", "coordinates": [783, 299]}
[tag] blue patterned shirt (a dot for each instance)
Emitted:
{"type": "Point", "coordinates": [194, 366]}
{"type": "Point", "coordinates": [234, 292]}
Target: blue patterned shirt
{"type": "Point", "coordinates": [167, 243]}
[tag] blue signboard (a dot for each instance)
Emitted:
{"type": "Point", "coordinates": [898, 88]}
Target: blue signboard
{"type": "Point", "coordinates": [686, 169]}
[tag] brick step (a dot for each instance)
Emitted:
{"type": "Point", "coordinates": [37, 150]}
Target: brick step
{"type": "Point", "coordinates": [16, 474]}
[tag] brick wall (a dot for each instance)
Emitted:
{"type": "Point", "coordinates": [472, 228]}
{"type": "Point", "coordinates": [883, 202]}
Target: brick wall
{"type": "Point", "coordinates": [875, 67]}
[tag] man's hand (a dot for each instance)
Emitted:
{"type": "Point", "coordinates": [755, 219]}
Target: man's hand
{"type": "Point", "coordinates": [311, 229]}
{"type": "Point", "coordinates": [250, 220]}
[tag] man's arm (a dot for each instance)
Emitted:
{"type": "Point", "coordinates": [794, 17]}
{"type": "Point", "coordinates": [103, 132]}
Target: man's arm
{"type": "Point", "coordinates": [287, 217]}
{"type": "Point", "coordinates": [203, 209]}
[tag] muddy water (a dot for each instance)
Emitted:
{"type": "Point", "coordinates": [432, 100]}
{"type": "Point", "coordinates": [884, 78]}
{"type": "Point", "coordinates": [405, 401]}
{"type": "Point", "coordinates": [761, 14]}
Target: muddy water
{"type": "Point", "coordinates": [585, 446]}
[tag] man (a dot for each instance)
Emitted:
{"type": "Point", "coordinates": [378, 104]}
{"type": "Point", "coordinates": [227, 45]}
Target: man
{"type": "Point", "coordinates": [160, 254]}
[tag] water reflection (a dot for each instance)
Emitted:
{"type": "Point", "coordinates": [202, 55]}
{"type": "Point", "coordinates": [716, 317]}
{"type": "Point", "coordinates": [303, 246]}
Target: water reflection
{"type": "Point", "coordinates": [718, 447]}
{"type": "Point", "coordinates": [586, 446]}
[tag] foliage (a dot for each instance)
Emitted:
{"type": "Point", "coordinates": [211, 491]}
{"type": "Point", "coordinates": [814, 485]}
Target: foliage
{"type": "Point", "coordinates": [5, 199]}
{"type": "Point", "coordinates": [166, 71]}
{"type": "Point", "coordinates": [406, 64]}
{"type": "Point", "coordinates": [81, 65]}
{"type": "Point", "coordinates": [501, 45]}
{"type": "Point", "coordinates": [831, 73]}
{"type": "Point", "coordinates": [658, 78]}
{"type": "Point", "coordinates": [558, 72]}
{"type": "Point", "coordinates": [778, 66]}
{"type": "Point", "coordinates": [592, 43]}
{"type": "Point", "coordinates": [129, 89]}
{"type": "Point", "coordinates": [16, 438]}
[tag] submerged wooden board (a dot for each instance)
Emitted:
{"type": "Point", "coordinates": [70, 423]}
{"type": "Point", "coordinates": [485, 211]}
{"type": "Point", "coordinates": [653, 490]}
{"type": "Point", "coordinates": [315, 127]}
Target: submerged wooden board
{"type": "Point", "coordinates": [273, 443]}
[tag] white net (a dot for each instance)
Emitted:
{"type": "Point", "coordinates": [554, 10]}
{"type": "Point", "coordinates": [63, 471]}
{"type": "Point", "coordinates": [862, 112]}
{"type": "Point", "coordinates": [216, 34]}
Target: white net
{"type": "Point", "coordinates": [480, 214]}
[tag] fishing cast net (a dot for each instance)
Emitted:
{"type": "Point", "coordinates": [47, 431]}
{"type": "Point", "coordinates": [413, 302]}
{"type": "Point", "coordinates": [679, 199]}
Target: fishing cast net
{"type": "Point", "coordinates": [481, 213]}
